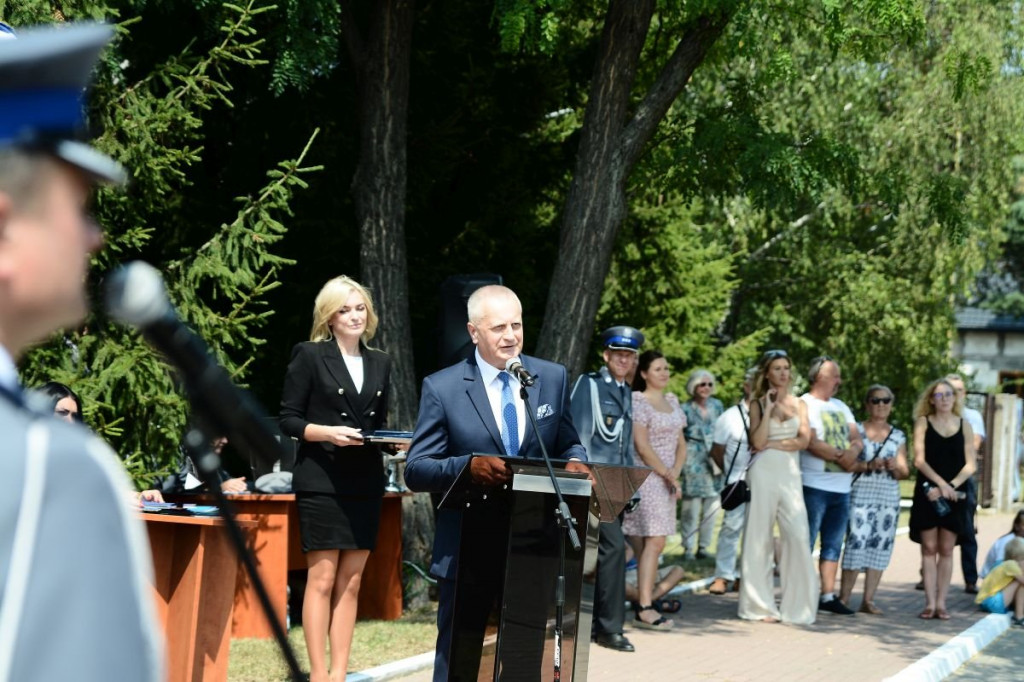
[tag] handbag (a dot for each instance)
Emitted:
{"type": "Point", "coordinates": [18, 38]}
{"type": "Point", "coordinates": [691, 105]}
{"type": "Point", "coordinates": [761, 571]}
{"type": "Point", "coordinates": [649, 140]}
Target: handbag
{"type": "Point", "coordinates": [737, 493]}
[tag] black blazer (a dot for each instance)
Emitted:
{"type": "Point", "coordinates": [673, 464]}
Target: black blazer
{"type": "Point", "coordinates": [319, 390]}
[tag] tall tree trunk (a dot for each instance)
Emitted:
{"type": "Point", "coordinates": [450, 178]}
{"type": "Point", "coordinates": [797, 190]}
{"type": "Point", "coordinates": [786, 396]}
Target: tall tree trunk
{"type": "Point", "coordinates": [381, 57]}
{"type": "Point", "coordinates": [612, 140]}
{"type": "Point", "coordinates": [381, 63]}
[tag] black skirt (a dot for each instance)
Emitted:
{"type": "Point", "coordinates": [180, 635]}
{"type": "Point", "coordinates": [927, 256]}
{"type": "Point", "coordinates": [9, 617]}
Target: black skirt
{"type": "Point", "coordinates": [329, 521]}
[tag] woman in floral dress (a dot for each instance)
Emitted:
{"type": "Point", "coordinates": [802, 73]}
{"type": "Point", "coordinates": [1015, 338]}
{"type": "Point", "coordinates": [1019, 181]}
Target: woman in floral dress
{"type": "Point", "coordinates": [657, 434]}
{"type": "Point", "coordinates": [701, 484]}
{"type": "Point", "coordinates": [874, 500]}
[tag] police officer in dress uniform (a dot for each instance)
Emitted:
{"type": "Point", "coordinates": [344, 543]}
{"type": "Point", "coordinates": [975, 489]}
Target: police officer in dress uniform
{"type": "Point", "coordinates": [602, 410]}
{"type": "Point", "coordinates": [75, 567]}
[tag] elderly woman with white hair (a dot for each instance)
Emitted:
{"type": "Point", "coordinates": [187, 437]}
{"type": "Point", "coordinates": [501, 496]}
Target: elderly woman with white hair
{"type": "Point", "coordinates": [701, 477]}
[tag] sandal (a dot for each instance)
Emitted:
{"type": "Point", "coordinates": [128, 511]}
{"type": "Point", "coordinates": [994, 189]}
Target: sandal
{"type": "Point", "coordinates": [942, 614]}
{"type": "Point", "coordinates": [718, 586]}
{"type": "Point", "coordinates": [662, 623]}
{"type": "Point", "coordinates": [927, 614]}
{"type": "Point", "coordinates": [667, 605]}
{"type": "Point", "coordinates": [869, 607]}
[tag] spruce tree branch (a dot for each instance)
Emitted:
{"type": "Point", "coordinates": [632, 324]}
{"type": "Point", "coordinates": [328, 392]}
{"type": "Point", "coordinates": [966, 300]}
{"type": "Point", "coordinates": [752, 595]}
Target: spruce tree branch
{"type": "Point", "coordinates": [222, 51]}
{"type": "Point", "coordinates": [293, 168]}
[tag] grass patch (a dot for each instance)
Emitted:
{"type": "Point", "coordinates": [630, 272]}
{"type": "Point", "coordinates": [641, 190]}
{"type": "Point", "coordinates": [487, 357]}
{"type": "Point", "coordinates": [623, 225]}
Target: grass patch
{"type": "Point", "coordinates": [907, 489]}
{"type": "Point", "coordinates": [374, 642]}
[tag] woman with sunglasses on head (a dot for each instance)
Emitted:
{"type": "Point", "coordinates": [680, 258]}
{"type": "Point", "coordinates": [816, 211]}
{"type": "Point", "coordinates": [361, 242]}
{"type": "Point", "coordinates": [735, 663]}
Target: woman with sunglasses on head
{"type": "Point", "coordinates": [778, 432]}
{"type": "Point", "coordinates": [874, 499]}
{"type": "Point", "coordinates": [945, 460]}
{"type": "Point", "coordinates": [701, 483]}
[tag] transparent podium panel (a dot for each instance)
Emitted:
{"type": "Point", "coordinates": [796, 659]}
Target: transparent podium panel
{"type": "Point", "coordinates": [509, 559]}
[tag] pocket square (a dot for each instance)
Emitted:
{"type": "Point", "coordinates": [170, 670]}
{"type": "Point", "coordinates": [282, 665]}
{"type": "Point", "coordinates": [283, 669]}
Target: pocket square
{"type": "Point", "coordinates": [544, 411]}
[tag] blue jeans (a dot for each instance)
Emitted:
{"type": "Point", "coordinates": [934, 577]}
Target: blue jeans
{"type": "Point", "coordinates": [827, 513]}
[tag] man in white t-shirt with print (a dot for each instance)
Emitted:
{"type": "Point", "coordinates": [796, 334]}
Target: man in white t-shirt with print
{"type": "Point", "coordinates": [825, 467]}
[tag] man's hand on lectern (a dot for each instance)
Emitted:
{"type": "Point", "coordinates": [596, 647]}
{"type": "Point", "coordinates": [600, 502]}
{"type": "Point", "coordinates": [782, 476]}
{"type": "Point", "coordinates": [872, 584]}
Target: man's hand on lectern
{"type": "Point", "coordinates": [578, 467]}
{"type": "Point", "coordinates": [489, 470]}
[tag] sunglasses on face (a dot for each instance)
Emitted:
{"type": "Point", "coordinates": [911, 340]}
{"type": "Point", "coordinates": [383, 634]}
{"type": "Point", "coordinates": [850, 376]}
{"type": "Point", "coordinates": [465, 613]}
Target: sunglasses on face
{"type": "Point", "coordinates": [880, 401]}
{"type": "Point", "coordinates": [704, 384]}
{"type": "Point", "coordinates": [942, 395]}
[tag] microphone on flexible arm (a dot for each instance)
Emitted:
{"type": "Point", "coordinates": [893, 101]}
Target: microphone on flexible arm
{"type": "Point", "coordinates": [514, 366]}
{"type": "Point", "coordinates": [135, 296]}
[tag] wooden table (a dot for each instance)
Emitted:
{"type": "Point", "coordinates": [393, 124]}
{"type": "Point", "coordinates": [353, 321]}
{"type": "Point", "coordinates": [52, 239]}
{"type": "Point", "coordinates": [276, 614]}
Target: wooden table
{"type": "Point", "coordinates": [277, 547]}
{"type": "Point", "coordinates": [194, 569]}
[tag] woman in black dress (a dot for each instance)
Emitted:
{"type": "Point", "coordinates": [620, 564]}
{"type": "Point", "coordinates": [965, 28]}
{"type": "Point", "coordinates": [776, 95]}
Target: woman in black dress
{"type": "Point", "coordinates": [945, 460]}
{"type": "Point", "coordinates": [335, 390]}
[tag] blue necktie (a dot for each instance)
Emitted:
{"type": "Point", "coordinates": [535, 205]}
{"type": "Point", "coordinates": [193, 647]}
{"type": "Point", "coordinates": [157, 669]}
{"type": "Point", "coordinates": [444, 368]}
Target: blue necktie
{"type": "Point", "coordinates": [510, 423]}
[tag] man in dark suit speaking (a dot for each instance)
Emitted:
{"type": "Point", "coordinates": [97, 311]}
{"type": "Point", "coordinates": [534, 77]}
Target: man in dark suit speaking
{"type": "Point", "coordinates": [475, 407]}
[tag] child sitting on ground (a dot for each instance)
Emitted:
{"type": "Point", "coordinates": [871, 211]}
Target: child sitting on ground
{"type": "Point", "coordinates": [1003, 585]}
{"type": "Point", "coordinates": [995, 555]}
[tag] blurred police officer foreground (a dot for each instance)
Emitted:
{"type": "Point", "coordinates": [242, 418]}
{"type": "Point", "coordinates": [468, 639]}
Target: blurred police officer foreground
{"type": "Point", "coordinates": [75, 569]}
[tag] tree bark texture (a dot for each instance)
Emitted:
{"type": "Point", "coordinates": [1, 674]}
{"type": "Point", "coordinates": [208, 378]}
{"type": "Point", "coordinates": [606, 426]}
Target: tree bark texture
{"type": "Point", "coordinates": [381, 60]}
{"type": "Point", "coordinates": [612, 140]}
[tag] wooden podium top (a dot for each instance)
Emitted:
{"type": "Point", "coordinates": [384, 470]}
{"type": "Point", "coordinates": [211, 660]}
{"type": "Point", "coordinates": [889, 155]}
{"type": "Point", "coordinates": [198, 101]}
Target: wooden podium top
{"type": "Point", "coordinates": [184, 520]}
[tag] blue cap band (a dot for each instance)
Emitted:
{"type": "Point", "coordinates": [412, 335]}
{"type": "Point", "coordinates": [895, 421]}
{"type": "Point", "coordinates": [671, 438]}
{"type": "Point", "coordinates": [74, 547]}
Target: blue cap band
{"type": "Point", "coordinates": [52, 110]}
{"type": "Point", "coordinates": [622, 341]}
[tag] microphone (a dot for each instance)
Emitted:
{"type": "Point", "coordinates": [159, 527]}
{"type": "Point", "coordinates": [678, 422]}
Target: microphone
{"type": "Point", "coordinates": [135, 296]}
{"type": "Point", "coordinates": [515, 367]}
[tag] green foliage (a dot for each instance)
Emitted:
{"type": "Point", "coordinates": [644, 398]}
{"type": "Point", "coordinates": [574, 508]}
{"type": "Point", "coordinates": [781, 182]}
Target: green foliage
{"type": "Point", "coordinates": [533, 24]}
{"type": "Point", "coordinates": [305, 35]}
{"type": "Point", "coordinates": [852, 190]}
{"type": "Point", "coordinates": [153, 116]}
{"type": "Point", "coordinates": [672, 278]}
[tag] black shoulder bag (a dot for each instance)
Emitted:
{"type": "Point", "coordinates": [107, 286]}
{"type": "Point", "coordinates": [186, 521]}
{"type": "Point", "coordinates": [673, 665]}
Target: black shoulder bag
{"type": "Point", "coordinates": [738, 492]}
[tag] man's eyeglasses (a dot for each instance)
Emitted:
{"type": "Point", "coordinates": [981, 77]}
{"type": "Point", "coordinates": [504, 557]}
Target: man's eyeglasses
{"type": "Point", "coordinates": [880, 401]}
{"type": "Point", "coordinates": [942, 395]}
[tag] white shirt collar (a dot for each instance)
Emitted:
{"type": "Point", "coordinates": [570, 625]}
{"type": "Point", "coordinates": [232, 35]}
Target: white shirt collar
{"type": "Point", "coordinates": [8, 371]}
{"type": "Point", "coordinates": [489, 372]}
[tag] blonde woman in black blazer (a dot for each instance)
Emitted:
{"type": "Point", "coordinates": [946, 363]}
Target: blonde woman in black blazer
{"type": "Point", "coordinates": [335, 390]}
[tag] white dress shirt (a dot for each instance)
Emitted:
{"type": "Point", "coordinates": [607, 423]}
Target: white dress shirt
{"type": "Point", "coordinates": [493, 385]}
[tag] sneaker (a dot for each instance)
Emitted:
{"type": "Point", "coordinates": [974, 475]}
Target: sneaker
{"type": "Point", "coordinates": [971, 589]}
{"type": "Point", "coordinates": [835, 606]}
{"type": "Point", "coordinates": [1018, 622]}
{"type": "Point", "coordinates": [701, 554]}
{"type": "Point", "coordinates": [919, 586]}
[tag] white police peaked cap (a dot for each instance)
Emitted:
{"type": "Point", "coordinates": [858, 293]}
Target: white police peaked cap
{"type": "Point", "coordinates": [43, 75]}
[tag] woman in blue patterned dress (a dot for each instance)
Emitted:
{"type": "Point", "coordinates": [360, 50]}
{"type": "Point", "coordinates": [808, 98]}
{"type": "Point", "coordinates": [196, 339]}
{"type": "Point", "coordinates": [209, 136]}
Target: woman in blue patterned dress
{"type": "Point", "coordinates": [875, 499]}
{"type": "Point", "coordinates": [700, 484]}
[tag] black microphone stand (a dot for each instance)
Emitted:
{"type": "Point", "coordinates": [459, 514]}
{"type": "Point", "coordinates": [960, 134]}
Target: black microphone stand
{"type": "Point", "coordinates": [197, 446]}
{"type": "Point", "coordinates": [564, 519]}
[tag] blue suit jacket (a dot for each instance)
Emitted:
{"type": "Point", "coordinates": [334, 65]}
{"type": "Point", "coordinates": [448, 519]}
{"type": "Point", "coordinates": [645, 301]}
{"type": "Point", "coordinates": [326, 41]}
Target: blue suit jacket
{"type": "Point", "coordinates": [456, 420]}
